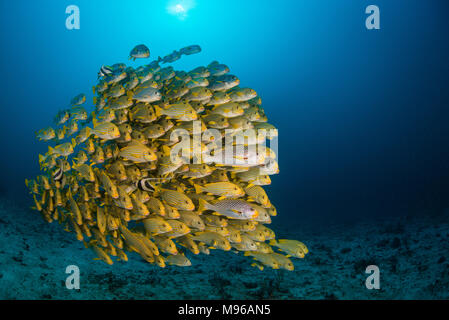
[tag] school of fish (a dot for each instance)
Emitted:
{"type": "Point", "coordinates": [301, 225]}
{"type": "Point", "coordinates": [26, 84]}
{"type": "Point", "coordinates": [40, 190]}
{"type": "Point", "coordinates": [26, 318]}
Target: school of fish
{"type": "Point", "coordinates": [110, 176]}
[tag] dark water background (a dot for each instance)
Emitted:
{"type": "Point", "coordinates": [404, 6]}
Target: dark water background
{"type": "Point", "coordinates": [362, 115]}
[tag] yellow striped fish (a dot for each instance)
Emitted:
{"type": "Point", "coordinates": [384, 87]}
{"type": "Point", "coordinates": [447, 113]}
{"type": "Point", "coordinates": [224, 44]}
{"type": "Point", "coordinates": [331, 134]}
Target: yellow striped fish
{"type": "Point", "coordinates": [179, 111]}
{"type": "Point", "coordinates": [221, 189]}
{"type": "Point", "coordinates": [177, 199]}
{"type": "Point", "coordinates": [137, 152]}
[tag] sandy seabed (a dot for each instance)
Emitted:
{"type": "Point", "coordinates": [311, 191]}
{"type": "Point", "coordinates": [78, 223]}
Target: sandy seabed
{"type": "Point", "coordinates": [412, 255]}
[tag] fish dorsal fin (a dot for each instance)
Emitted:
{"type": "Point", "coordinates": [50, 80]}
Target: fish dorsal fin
{"type": "Point", "coordinates": [135, 143]}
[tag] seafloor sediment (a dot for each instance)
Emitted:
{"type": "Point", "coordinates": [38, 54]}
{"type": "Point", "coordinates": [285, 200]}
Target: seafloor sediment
{"type": "Point", "coordinates": [412, 255]}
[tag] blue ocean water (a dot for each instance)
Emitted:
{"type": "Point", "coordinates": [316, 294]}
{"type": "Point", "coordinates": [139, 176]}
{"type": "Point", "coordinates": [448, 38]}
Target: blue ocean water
{"type": "Point", "coordinates": [362, 117]}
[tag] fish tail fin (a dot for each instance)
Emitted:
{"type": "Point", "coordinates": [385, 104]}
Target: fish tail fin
{"type": "Point", "coordinates": [130, 94]}
{"type": "Point", "coordinates": [50, 150]}
{"type": "Point", "coordinates": [89, 131]}
{"type": "Point", "coordinates": [41, 158]}
{"type": "Point", "coordinates": [94, 89]}
{"type": "Point", "coordinates": [73, 142]}
{"type": "Point", "coordinates": [26, 182]}
{"type": "Point", "coordinates": [203, 205]}
{"type": "Point", "coordinates": [272, 242]}
{"type": "Point", "coordinates": [198, 188]}
{"type": "Point", "coordinates": [95, 99]}
{"type": "Point", "coordinates": [157, 110]}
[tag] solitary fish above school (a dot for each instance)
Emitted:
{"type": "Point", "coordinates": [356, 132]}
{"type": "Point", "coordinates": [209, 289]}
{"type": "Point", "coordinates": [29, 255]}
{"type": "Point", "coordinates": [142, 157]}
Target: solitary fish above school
{"type": "Point", "coordinates": [146, 168]}
{"type": "Point", "coordinates": [139, 52]}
